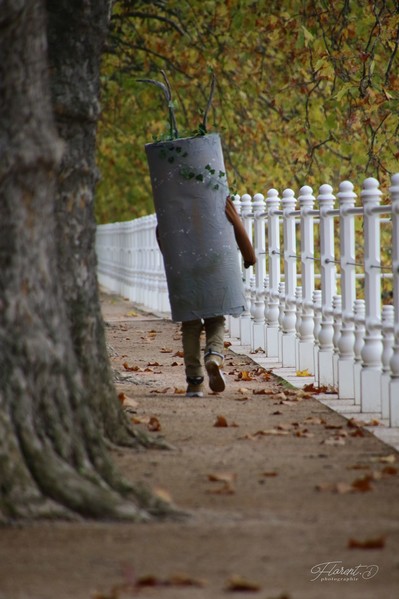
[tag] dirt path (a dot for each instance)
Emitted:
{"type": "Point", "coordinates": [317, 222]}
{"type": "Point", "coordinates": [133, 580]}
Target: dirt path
{"type": "Point", "coordinates": [294, 487]}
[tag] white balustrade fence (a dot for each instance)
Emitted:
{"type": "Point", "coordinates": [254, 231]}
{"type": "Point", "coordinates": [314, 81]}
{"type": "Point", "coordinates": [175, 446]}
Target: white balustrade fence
{"type": "Point", "coordinates": [315, 294]}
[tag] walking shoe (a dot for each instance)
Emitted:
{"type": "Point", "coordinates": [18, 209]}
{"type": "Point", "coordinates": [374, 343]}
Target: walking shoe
{"type": "Point", "coordinates": [213, 364]}
{"type": "Point", "coordinates": [195, 387]}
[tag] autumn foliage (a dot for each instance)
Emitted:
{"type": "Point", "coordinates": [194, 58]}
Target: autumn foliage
{"type": "Point", "coordinates": [307, 92]}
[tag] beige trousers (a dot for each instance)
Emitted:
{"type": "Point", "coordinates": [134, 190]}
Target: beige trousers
{"type": "Point", "coordinates": [214, 341]}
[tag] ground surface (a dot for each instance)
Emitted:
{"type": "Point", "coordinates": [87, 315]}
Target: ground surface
{"type": "Point", "coordinates": [295, 487]}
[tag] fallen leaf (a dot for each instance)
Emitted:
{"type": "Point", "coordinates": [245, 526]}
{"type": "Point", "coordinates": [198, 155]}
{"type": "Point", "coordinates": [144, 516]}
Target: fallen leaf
{"type": "Point", "coordinates": [270, 473]}
{"type": "Point", "coordinates": [163, 494]}
{"type": "Point", "coordinates": [246, 398]}
{"type": "Point", "coordinates": [227, 478]}
{"type": "Point", "coordinates": [335, 441]}
{"type": "Point", "coordinates": [154, 364]}
{"type": "Point", "coordinates": [131, 313]}
{"type": "Point", "coordinates": [176, 364]}
{"type": "Point", "coordinates": [184, 580]}
{"type": "Point", "coordinates": [154, 425]}
{"type": "Point", "coordinates": [262, 392]}
{"type": "Point", "coordinates": [384, 459]}
{"type": "Point", "coordinates": [132, 368]}
{"type": "Point", "coordinates": [178, 354]}
{"type": "Point", "coordinates": [243, 390]}
{"type": "Point", "coordinates": [311, 388]}
{"type": "Point", "coordinates": [271, 431]}
{"type": "Point", "coordinates": [371, 543]}
{"type": "Point", "coordinates": [276, 413]}
{"type": "Point", "coordinates": [122, 397]}
{"type": "Point", "coordinates": [244, 375]}
{"type": "Point", "coordinates": [314, 420]}
{"type": "Point", "coordinates": [164, 390]}
{"type": "Point", "coordinates": [303, 373]}
{"type": "Point", "coordinates": [363, 484]}
{"type": "Point", "coordinates": [221, 422]}
{"type": "Point", "coordinates": [238, 583]}
{"type": "Point", "coordinates": [129, 404]}
{"type": "Point", "coordinates": [166, 350]}
{"type": "Point", "coordinates": [389, 470]}
{"type": "Point", "coordinates": [179, 391]}
{"type": "Point", "coordinates": [227, 344]}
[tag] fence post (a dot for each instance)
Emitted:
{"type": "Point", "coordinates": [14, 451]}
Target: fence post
{"type": "Point", "coordinates": [359, 310]}
{"type": "Point", "coordinates": [387, 344]}
{"type": "Point", "coordinates": [245, 319]}
{"type": "Point", "coordinates": [306, 201]}
{"type": "Point", "coordinates": [372, 348]}
{"type": "Point", "coordinates": [316, 330]}
{"type": "Point", "coordinates": [281, 295]}
{"type": "Point", "coordinates": [260, 271]}
{"type": "Point", "coordinates": [273, 225]}
{"type": "Point", "coordinates": [328, 286]}
{"type": "Point", "coordinates": [337, 314]}
{"type": "Point", "coordinates": [234, 323]}
{"type": "Point", "coordinates": [394, 384]}
{"type": "Point", "coordinates": [346, 196]}
{"type": "Point", "coordinates": [290, 258]}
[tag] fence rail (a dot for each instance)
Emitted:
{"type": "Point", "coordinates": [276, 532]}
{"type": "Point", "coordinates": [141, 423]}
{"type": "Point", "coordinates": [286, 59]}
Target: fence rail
{"type": "Point", "coordinates": [315, 300]}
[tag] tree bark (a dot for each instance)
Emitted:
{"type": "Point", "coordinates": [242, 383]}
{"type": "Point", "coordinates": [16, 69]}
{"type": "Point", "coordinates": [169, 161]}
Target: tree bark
{"type": "Point", "coordinates": [76, 33]}
{"type": "Point", "coordinates": [53, 459]}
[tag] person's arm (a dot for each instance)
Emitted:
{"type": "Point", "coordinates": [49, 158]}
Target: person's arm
{"type": "Point", "coordinates": [240, 233]}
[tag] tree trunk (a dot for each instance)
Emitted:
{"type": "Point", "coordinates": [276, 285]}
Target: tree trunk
{"type": "Point", "coordinates": [76, 33]}
{"type": "Point", "coordinates": [53, 460]}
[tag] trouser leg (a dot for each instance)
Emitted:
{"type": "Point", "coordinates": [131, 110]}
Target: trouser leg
{"type": "Point", "coordinates": [214, 330]}
{"type": "Point", "coordinates": [191, 334]}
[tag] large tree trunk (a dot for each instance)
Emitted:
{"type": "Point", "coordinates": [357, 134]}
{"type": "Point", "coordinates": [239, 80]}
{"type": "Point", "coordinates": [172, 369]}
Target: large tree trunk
{"type": "Point", "coordinates": [76, 33]}
{"type": "Point", "coordinates": [53, 460]}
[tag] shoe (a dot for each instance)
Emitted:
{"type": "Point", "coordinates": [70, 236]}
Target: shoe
{"type": "Point", "coordinates": [213, 364]}
{"type": "Point", "coordinates": [195, 387]}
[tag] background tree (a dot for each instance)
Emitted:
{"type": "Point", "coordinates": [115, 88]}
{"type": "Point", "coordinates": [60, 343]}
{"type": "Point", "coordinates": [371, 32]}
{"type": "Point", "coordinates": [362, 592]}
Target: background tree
{"type": "Point", "coordinates": [307, 91]}
{"type": "Point", "coordinates": [56, 395]}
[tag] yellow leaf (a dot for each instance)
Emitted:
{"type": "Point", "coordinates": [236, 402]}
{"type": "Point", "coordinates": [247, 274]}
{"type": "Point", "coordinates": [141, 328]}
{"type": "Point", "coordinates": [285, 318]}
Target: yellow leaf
{"type": "Point", "coordinates": [303, 373]}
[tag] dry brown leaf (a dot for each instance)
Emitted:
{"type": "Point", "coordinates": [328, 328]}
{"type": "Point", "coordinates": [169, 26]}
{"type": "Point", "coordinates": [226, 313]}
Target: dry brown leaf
{"type": "Point", "coordinates": [179, 391]}
{"type": "Point", "coordinates": [220, 422]}
{"type": "Point", "coordinates": [154, 425]}
{"type": "Point", "coordinates": [227, 344]}
{"type": "Point", "coordinates": [304, 433]}
{"type": "Point", "coordinates": [227, 478]}
{"type": "Point", "coordinates": [246, 398]}
{"type": "Point", "coordinates": [163, 494]}
{"type": "Point", "coordinates": [262, 392]}
{"type": "Point", "coordinates": [314, 420]}
{"type": "Point", "coordinates": [184, 580]}
{"type": "Point", "coordinates": [166, 350]}
{"type": "Point", "coordinates": [334, 441]}
{"type": "Point", "coordinates": [177, 364]}
{"type": "Point", "coordinates": [238, 583]}
{"type": "Point", "coordinates": [341, 487]}
{"type": "Point", "coordinates": [271, 431]}
{"type": "Point", "coordinates": [244, 375]}
{"type": "Point", "coordinates": [129, 404]}
{"type": "Point", "coordinates": [243, 390]}
{"type": "Point", "coordinates": [132, 368]}
{"type": "Point", "coordinates": [270, 473]}
{"type": "Point", "coordinates": [164, 390]}
{"type": "Point", "coordinates": [363, 484]}
{"type": "Point", "coordinates": [371, 543]}
{"type": "Point", "coordinates": [179, 354]}
{"type": "Point", "coordinates": [122, 397]}
{"type": "Point", "coordinates": [389, 471]}
{"type": "Point", "coordinates": [384, 459]}
{"type": "Point", "coordinates": [154, 364]}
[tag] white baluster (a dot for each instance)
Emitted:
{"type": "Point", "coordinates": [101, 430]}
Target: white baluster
{"type": "Point", "coordinates": [281, 295]}
{"type": "Point", "coordinates": [372, 349]}
{"type": "Point", "coordinates": [328, 287]}
{"type": "Point", "coordinates": [316, 330]}
{"type": "Point", "coordinates": [346, 342]}
{"type": "Point", "coordinates": [273, 226]}
{"type": "Point", "coordinates": [267, 300]}
{"type": "Point", "coordinates": [306, 201]}
{"type": "Point", "coordinates": [245, 320]}
{"type": "Point", "coordinates": [290, 258]}
{"type": "Point", "coordinates": [337, 313]}
{"type": "Point", "coordinates": [387, 352]}
{"type": "Point", "coordinates": [259, 205]}
{"type": "Point", "coordinates": [298, 320]}
{"type": "Point", "coordinates": [359, 310]}
{"type": "Point", "coordinates": [234, 323]}
{"type": "Point", "coordinates": [394, 384]}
